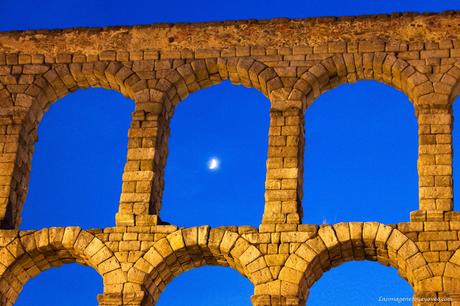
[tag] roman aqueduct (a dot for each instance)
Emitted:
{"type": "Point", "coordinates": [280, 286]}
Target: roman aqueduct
{"type": "Point", "coordinates": [292, 62]}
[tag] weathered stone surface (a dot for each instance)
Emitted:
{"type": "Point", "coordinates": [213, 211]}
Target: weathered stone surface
{"type": "Point", "coordinates": [292, 62]}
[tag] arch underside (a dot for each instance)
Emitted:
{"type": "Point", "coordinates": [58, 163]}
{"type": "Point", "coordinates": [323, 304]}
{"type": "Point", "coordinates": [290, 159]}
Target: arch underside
{"type": "Point", "coordinates": [383, 67]}
{"type": "Point", "coordinates": [27, 255]}
{"type": "Point", "coordinates": [14, 279]}
{"type": "Point", "coordinates": [180, 262]}
{"type": "Point", "coordinates": [192, 248]}
{"type": "Point", "coordinates": [344, 242]}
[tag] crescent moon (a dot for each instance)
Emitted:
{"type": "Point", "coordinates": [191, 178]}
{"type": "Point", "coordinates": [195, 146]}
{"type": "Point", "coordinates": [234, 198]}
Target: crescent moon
{"type": "Point", "coordinates": [213, 164]}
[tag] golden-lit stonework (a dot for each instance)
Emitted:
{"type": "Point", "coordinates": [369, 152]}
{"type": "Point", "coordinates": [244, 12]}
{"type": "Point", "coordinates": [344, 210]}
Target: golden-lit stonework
{"type": "Point", "coordinates": [291, 62]}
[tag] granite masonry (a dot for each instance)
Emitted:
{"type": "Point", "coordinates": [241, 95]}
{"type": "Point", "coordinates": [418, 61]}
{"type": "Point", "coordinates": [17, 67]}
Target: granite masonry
{"type": "Point", "coordinates": [292, 62]}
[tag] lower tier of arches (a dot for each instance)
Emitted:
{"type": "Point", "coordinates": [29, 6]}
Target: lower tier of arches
{"type": "Point", "coordinates": [137, 263]}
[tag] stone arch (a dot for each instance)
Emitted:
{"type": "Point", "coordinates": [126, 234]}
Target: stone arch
{"type": "Point", "coordinates": [47, 83]}
{"type": "Point", "coordinates": [349, 68]}
{"type": "Point", "coordinates": [174, 85]}
{"type": "Point", "coordinates": [429, 93]}
{"type": "Point", "coordinates": [392, 104]}
{"type": "Point", "coordinates": [449, 83]}
{"type": "Point", "coordinates": [195, 247]}
{"type": "Point", "coordinates": [55, 81]}
{"type": "Point", "coordinates": [26, 254]}
{"type": "Point", "coordinates": [178, 83]}
{"type": "Point", "coordinates": [7, 102]}
{"type": "Point", "coordinates": [342, 242]}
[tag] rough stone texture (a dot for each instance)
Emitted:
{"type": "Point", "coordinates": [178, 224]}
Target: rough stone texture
{"type": "Point", "coordinates": [291, 62]}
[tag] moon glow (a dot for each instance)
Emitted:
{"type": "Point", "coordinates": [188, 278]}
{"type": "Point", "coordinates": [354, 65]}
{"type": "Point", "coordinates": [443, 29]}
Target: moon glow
{"type": "Point", "coordinates": [213, 164]}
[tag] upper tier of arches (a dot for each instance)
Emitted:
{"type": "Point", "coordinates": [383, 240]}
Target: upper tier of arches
{"type": "Point", "coordinates": [157, 86]}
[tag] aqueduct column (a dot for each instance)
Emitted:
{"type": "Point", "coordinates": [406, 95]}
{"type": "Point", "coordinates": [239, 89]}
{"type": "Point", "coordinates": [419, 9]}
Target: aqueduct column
{"type": "Point", "coordinates": [15, 156]}
{"type": "Point", "coordinates": [434, 161]}
{"type": "Point", "coordinates": [143, 176]}
{"type": "Point", "coordinates": [284, 178]}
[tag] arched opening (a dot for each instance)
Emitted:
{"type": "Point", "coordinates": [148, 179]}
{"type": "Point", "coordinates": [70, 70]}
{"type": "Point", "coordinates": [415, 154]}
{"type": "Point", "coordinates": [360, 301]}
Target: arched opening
{"type": "Point", "coordinates": [207, 286]}
{"type": "Point", "coordinates": [70, 285]}
{"type": "Point", "coordinates": [217, 151]}
{"type": "Point", "coordinates": [34, 252]}
{"type": "Point", "coordinates": [197, 247]}
{"type": "Point", "coordinates": [360, 283]}
{"type": "Point", "coordinates": [360, 156]}
{"type": "Point", "coordinates": [78, 161]}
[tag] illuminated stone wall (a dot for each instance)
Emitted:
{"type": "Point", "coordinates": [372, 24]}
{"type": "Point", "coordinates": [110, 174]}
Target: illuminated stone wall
{"type": "Point", "coordinates": [292, 62]}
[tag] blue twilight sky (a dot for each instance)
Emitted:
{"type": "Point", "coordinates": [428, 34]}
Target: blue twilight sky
{"type": "Point", "coordinates": [360, 157]}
